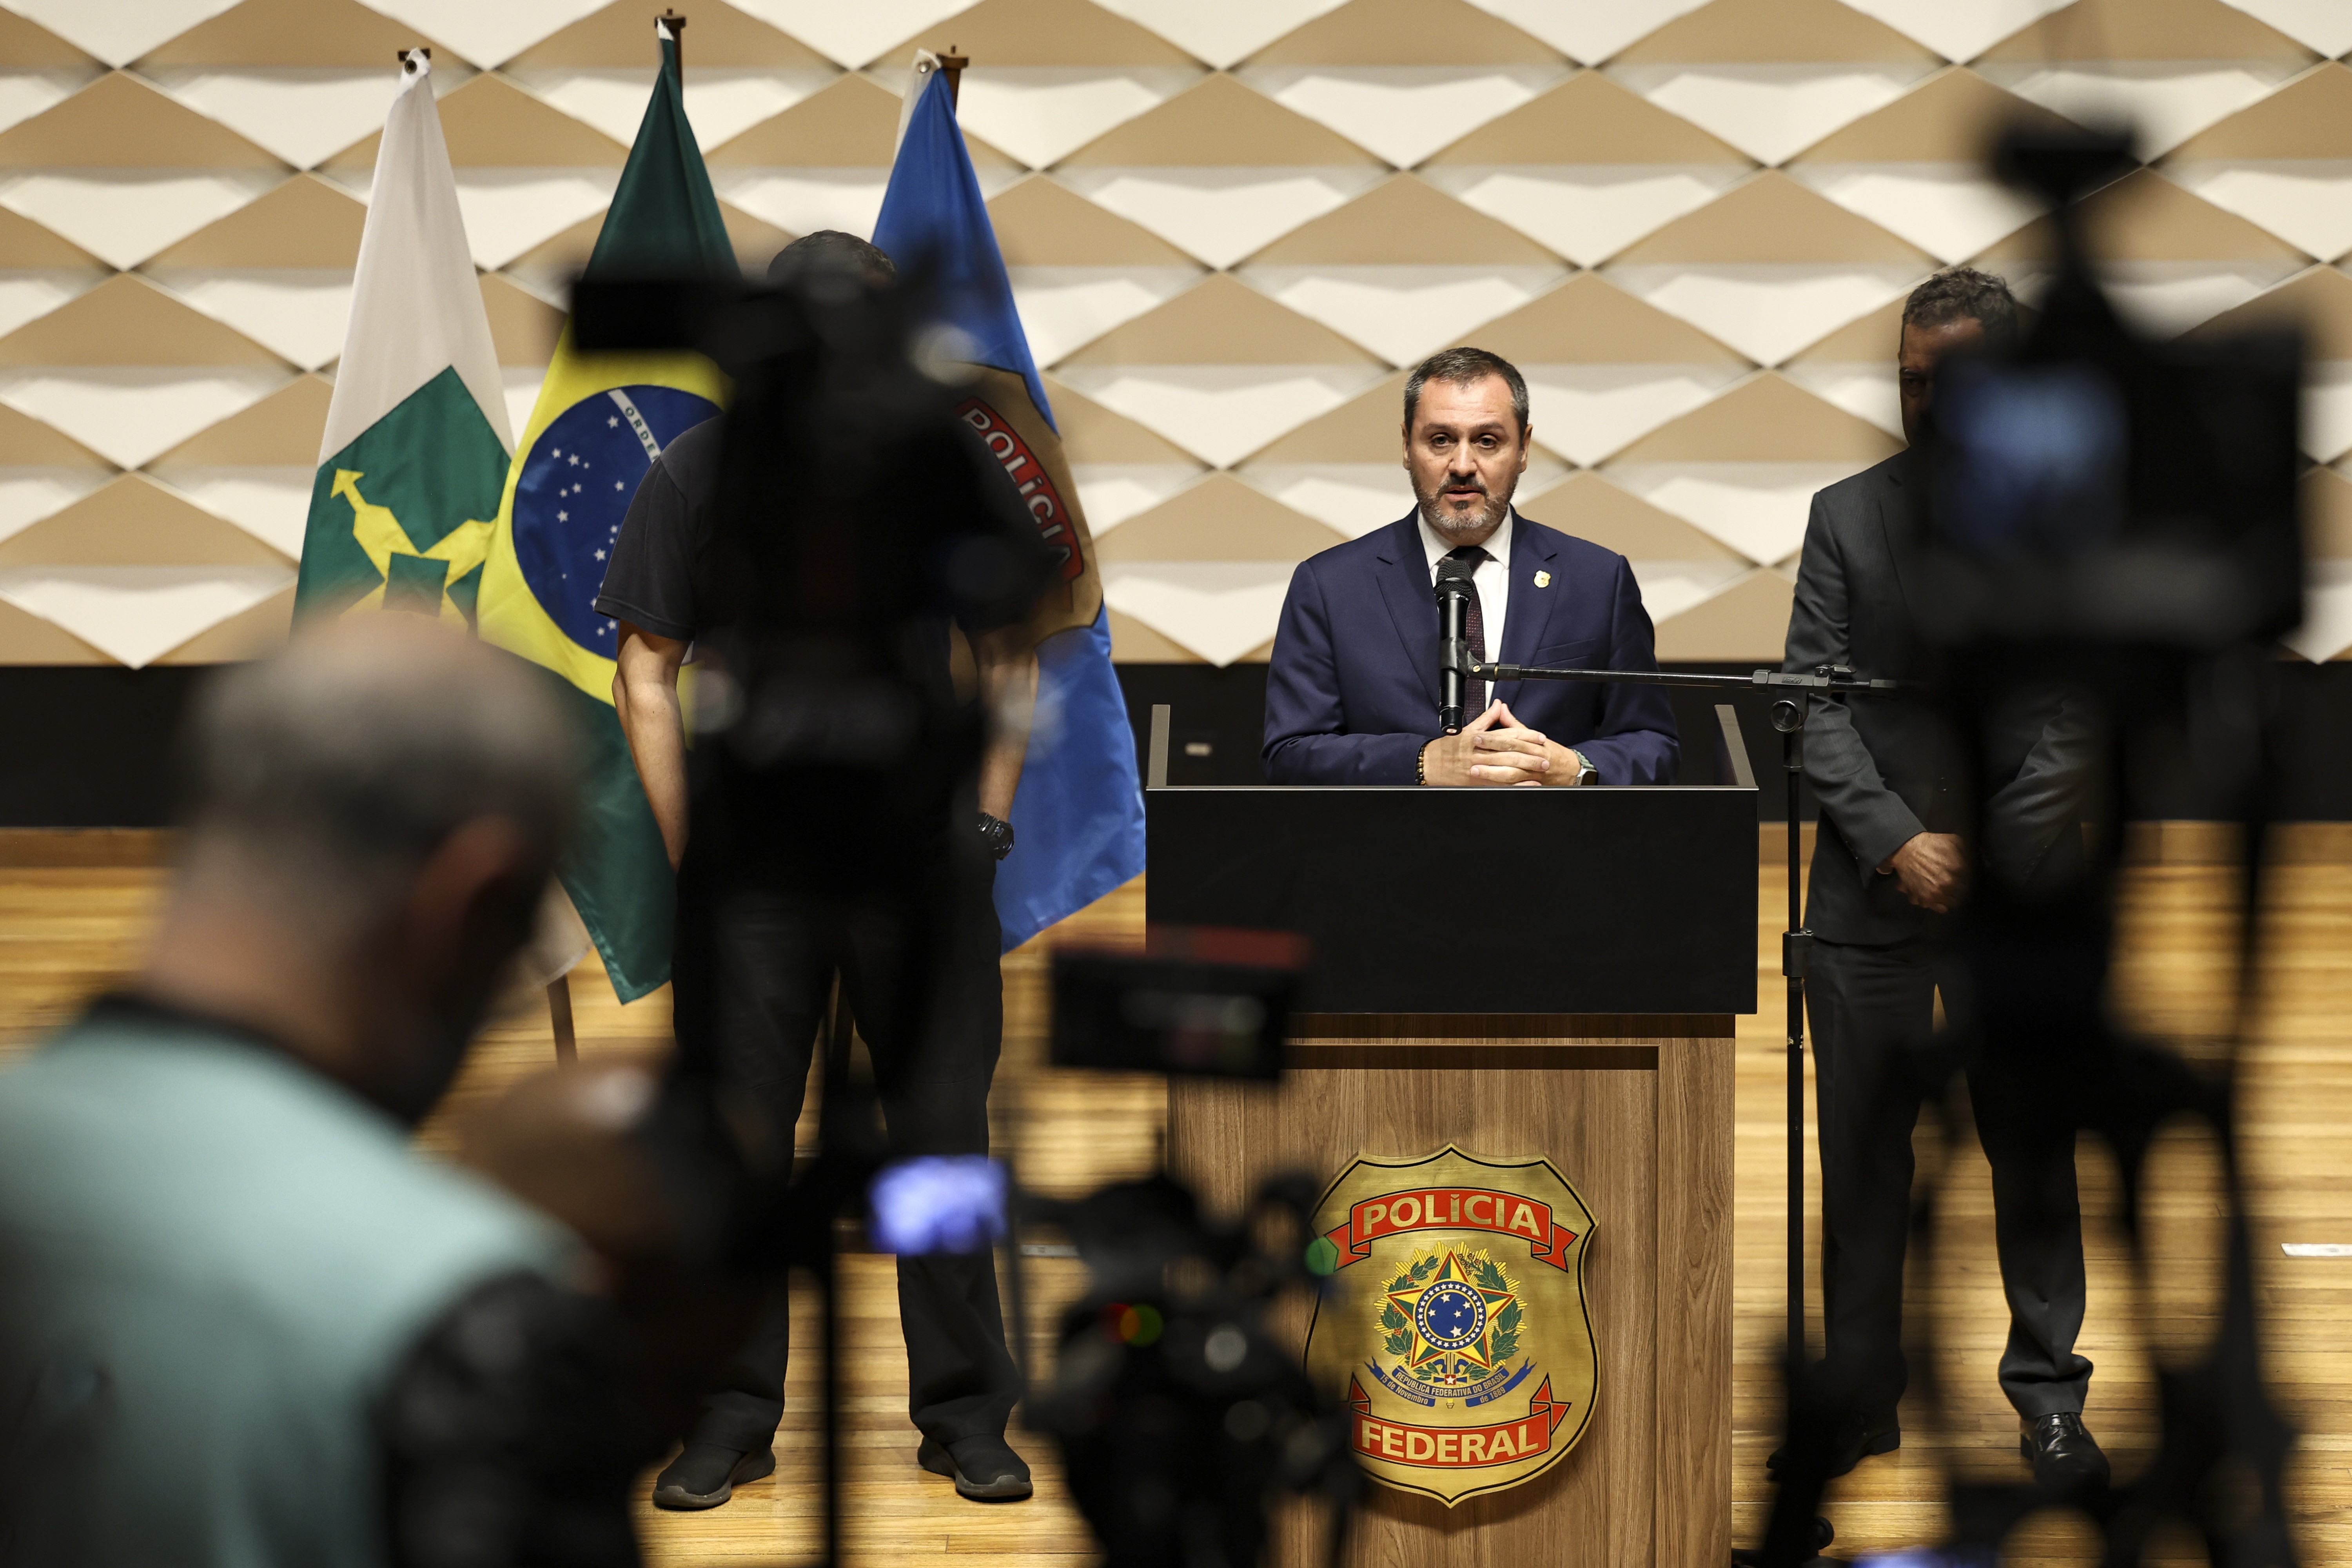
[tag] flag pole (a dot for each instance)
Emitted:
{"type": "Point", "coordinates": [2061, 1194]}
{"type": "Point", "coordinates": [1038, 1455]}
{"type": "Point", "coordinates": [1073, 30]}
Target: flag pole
{"type": "Point", "coordinates": [676, 26]}
{"type": "Point", "coordinates": [953, 64]}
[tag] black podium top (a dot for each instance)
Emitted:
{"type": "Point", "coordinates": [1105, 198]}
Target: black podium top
{"type": "Point", "coordinates": [1476, 900]}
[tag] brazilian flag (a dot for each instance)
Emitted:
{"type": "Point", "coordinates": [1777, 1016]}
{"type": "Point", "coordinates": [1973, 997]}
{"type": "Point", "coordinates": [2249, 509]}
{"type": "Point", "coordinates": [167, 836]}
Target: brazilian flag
{"type": "Point", "coordinates": [599, 422]}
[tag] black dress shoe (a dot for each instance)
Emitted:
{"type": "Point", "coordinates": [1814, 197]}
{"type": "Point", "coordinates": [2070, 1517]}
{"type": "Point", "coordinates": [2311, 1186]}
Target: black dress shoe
{"type": "Point", "coordinates": [1857, 1440]}
{"type": "Point", "coordinates": [985, 1469]}
{"type": "Point", "coordinates": [707, 1475]}
{"type": "Point", "coordinates": [2064, 1455]}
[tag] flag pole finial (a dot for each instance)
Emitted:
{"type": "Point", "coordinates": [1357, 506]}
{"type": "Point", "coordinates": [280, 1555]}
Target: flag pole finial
{"type": "Point", "coordinates": [953, 64]}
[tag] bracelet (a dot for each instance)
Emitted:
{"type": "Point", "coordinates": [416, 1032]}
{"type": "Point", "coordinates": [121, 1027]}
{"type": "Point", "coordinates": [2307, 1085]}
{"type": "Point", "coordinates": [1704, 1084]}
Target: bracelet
{"type": "Point", "coordinates": [1421, 766]}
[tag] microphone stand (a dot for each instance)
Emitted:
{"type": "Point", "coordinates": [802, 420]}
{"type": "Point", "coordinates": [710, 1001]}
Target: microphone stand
{"type": "Point", "coordinates": [1788, 715]}
{"type": "Point", "coordinates": [1453, 652]}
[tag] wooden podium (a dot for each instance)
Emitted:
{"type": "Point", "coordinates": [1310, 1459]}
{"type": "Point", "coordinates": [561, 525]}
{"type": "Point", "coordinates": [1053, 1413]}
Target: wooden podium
{"type": "Point", "coordinates": [1519, 973]}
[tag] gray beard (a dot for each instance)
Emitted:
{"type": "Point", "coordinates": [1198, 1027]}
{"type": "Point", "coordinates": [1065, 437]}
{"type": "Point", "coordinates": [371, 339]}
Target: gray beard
{"type": "Point", "coordinates": [1487, 519]}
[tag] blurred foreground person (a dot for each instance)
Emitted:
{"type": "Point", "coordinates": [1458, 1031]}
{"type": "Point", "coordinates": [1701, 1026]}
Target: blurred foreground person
{"type": "Point", "coordinates": [1890, 868]}
{"type": "Point", "coordinates": [241, 1320]}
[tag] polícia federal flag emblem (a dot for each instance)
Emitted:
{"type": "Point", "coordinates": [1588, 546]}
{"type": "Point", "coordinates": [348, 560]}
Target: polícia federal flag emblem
{"type": "Point", "coordinates": [1077, 816]}
{"type": "Point", "coordinates": [1454, 1324]}
{"type": "Point", "coordinates": [599, 422]}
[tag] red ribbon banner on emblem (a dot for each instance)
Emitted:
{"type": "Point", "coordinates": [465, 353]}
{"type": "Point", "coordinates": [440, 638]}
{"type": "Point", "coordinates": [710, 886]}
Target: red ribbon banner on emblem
{"type": "Point", "coordinates": [1455, 1447]}
{"type": "Point", "coordinates": [1453, 1208]}
{"type": "Point", "coordinates": [1029, 477]}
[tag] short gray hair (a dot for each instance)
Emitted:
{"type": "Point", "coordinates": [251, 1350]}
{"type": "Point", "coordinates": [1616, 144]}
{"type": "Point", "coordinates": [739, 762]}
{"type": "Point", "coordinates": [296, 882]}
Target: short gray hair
{"type": "Point", "coordinates": [1464, 368]}
{"type": "Point", "coordinates": [344, 761]}
{"type": "Point", "coordinates": [1962, 294]}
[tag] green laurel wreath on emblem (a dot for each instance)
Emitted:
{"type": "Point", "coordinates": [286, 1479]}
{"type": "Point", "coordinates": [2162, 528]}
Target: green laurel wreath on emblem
{"type": "Point", "coordinates": [1486, 1271]}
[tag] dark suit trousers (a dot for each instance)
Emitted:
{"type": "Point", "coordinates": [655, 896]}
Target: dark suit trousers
{"type": "Point", "coordinates": [1875, 1059]}
{"type": "Point", "coordinates": [777, 957]}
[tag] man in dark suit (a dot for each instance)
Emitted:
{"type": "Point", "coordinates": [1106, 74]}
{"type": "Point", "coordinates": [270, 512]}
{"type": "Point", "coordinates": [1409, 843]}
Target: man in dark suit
{"type": "Point", "coordinates": [1351, 696]}
{"type": "Point", "coordinates": [1890, 866]}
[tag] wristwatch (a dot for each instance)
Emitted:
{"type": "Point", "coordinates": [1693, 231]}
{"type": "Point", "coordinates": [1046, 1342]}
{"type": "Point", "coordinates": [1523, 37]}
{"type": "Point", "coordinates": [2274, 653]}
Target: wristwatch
{"type": "Point", "coordinates": [997, 834]}
{"type": "Point", "coordinates": [1586, 772]}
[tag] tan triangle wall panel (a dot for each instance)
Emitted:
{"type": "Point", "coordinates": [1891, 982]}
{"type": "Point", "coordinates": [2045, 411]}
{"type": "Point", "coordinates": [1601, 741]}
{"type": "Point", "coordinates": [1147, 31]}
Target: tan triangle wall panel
{"type": "Point", "coordinates": [1220, 519]}
{"type": "Point", "coordinates": [133, 522]}
{"type": "Point", "coordinates": [251, 634]}
{"type": "Point", "coordinates": [1747, 620]}
{"type": "Point", "coordinates": [1131, 642]}
{"type": "Point", "coordinates": [28, 639]}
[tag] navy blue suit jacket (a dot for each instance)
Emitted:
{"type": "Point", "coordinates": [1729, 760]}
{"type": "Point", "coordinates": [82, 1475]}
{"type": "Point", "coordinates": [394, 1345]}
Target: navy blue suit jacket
{"type": "Point", "coordinates": [1351, 696]}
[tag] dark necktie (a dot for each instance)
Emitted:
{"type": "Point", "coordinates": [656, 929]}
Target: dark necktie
{"type": "Point", "coordinates": [1463, 563]}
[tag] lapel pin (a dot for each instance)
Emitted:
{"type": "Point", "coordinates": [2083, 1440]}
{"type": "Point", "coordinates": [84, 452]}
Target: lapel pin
{"type": "Point", "coordinates": [1543, 579]}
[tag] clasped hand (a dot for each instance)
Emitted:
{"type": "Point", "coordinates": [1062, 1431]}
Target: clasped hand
{"type": "Point", "coordinates": [1931, 870]}
{"type": "Point", "coordinates": [1495, 749]}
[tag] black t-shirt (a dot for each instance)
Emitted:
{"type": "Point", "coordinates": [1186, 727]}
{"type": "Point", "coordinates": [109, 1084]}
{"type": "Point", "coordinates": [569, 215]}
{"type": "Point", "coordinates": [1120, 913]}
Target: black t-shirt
{"type": "Point", "coordinates": [657, 580]}
{"type": "Point", "coordinates": [665, 574]}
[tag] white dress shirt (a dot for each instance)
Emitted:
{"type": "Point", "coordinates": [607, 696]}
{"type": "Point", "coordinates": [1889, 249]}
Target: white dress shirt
{"type": "Point", "coordinates": [1493, 578]}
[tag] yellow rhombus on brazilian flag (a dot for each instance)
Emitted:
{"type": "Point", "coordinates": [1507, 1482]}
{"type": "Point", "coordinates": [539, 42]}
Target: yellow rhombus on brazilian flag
{"type": "Point", "coordinates": [599, 422]}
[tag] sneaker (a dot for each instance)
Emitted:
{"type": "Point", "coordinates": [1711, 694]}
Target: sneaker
{"type": "Point", "coordinates": [984, 1468]}
{"type": "Point", "coordinates": [707, 1475]}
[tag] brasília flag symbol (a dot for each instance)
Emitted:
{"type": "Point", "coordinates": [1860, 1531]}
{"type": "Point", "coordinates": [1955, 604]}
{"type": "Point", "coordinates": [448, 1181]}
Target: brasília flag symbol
{"type": "Point", "coordinates": [599, 422]}
{"type": "Point", "coordinates": [1077, 818]}
{"type": "Point", "coordinates": [416, 448]}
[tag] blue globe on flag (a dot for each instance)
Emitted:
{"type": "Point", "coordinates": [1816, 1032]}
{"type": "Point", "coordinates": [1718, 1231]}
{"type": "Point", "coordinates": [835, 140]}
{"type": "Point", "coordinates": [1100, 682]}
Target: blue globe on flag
{"type": "Point", "coordinates": [575, 487]}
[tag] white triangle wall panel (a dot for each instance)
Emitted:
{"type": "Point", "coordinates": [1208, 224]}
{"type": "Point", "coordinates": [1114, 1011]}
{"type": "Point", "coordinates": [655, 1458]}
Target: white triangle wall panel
{"type": "Point", "coordinates": [2326, 628]}
{"type": "Point", "coordinates": [1113, 492]}
{"type": "Point", "coordinates": [1220, 32]}
{"type": "Point", "coordinates": [1220, 413]}
{"type": "Point", "coordinates": [1064, 309]}
{"type": "Point", "coordinates": [852, 33]}
{"type": "Point", "coordinates": [1952, 211]}
{"type": "Point", "coordinates": [24, 93]}
{"type": "Point", "coordinates": [1586, 212]}
{"type": "Point", "coordinates": [273, 504]}
{"type": "Point", "coordinates": [2307, 202]}
{"type": "Point", "coordinates": [1961, 31]}
{"type": "Point", "coordinates": [1353, 498]}
{"type": "Point", "coordinates": [296, 313]}
{"type": "Point", "coordinates": [1218, 609]}
{"type": "Point", "coordinates": [122, 216]}
{"type": "Point", "coordinates": [2327, 409]}
{"type": "Point", "coordinates": [2324, 27]}
{"type": "Point", "coordinates": [1670, 588]}
{"type": "Point", "coordinates": [802, 201]}
{"type": "Point", "coordinates": [1767, 311]}
{"type": "Point", "coordinates": [1588, 30]}
{"type": "Point", "coordinates": [492, 33]}
{"type": "Point", "coordinates": [1403, 313]}
{"type": "Point", "coordinates": [721, 102]}
{"type": "Point", "coordinates": [1868, 391]}
{"type": "Point", "coordinates": [1586, 412]}
{"type": "Point", "coordinates": [118, 31]}
{"type": "Point", "coordinates": [130, 415]}
{"type": "Point", "coordinates": [1403, 113]}
{"type": "Point", "coordinates": [1220, 214]}
{"type": "Point", "coordinates": [1757, 509]}
{"type": "Point", "coordinates": [31, 294]}
{"type": "Point", "coordinates": [29, 494]}
{"type": "Point", "coordinates": [2167, 101]}
{"type": "Point", "coordinates": [138, 614]}
{"type": "Point", "coordinates": [304, 116]}
{"type": "Point", "coordinates": [1770, 110]}
{"type": "Point", "coordinates": [1042, 114]}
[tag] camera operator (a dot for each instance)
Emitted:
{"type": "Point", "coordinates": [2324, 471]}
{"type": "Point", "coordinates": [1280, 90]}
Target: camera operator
{"type": "Point", "coordinates": [864, 885]}
{"type": "Point", "coordinates": [1890, 868]}
{"type": "Point", "coordinates": [242, 1320]}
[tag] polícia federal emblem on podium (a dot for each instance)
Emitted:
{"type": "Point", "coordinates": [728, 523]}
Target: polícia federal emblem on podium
{"type": "Point", "coordinates": [1455, 1323]}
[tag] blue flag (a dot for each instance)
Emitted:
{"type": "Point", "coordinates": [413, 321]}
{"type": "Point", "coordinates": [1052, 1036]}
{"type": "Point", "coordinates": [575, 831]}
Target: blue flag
{"type": "Point", "coordinates": [1077, 819]}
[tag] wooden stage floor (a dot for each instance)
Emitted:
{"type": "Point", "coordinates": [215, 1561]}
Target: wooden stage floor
{"type": "Point", "coordinates": [69, 930]}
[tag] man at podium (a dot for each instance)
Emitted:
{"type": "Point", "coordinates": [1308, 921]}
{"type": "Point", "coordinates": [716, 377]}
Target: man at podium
{"type": "Point", "coordinates": [1351, 696]}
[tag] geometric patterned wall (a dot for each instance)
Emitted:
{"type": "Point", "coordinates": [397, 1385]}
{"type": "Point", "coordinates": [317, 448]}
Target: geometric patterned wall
{"type": "Point", "coordinates": [1230, 224]}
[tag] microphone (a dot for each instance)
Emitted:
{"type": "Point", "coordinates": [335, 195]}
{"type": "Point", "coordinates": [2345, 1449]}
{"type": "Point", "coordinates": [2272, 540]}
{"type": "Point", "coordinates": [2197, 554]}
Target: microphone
{"type": "Point", "coordinates": [1453, 650]}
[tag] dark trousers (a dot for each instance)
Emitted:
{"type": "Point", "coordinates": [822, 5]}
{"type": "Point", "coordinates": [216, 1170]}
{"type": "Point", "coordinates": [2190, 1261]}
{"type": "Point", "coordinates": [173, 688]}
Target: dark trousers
{"type": "Point", "coordinates": [1875, 1059]}
{"type": "Point", "coordinates": [776, 955]}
